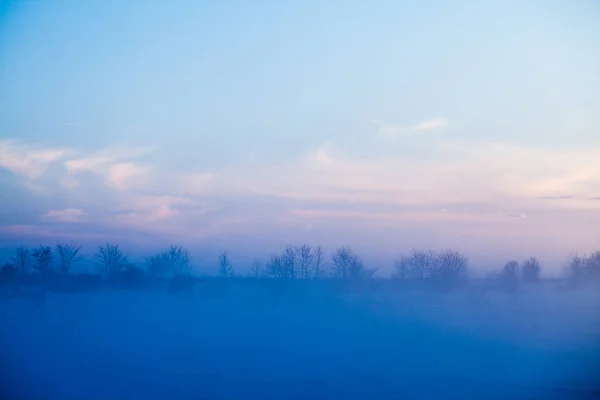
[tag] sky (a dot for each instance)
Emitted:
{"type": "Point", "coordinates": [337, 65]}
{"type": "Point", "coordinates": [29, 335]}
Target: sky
{"type": "Point", "coordinates": [248, 125]}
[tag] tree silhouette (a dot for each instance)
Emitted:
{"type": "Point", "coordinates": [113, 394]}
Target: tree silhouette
{"type": "Point", "coordinates": [289, 260]}
{"type": "Point", "coordinates": [21, 258]}
{"type": "Point", "coordinates": [449, 266]}
{"type": "Point", "coordinates": [256, 265]}
{"type": "Point", "coordinates": [43, 259]}
{"type": "Point", "coordinates": [530, 270]}
{"type": "Point", "coordinates": [318, 259]}
{"type": "Point", "coordinates": [170, 262]}
{"type": "Point", "coordinates": [66, 254]}
{"type": "Point", "coordinates": [275, 267]}
{"type": "Point", "coordinates": [347, 265]}
{"type": "Point", "coordinates": [225, 267]}
{"type": "Point", "coordinates": [414, 265]}
{"type": "Point", "coordinates": [111, 260]}
{"type": "Point", "coordinates": [509, 277]}
{"type": "Point", "coordinates": [306, 257]}
{"type": "Point", "coordinates": [584, 268]}
{"type": "Point", "coordinates": [446, 266]}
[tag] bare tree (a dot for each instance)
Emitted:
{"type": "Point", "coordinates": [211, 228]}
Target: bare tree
{"type": "Point", "coordinates": [43, 259]}
{"type": "Point", "coordinates": [275, 267]}
{"type": "Point", "coordinates": [593, 265]}
{"type": "Point", "coordinates": [306, 257]}
{"type": "Point", "coordinates": [402, 268]}
{"type": "Point", "coordinates": [318, 257]}
{"type": "Point", "coordinates": [415, 265]}
{"type": "Point", "coordinates": [256, 264]}
{"type": "Point", "coordinates": [449, 266]}
{"type": "Point", "coordinates": [356, 268]}
{"type": "Point", "coordinates": [66, 254]}
{"type": "Point", "coordinates": [576, 268]}
{"type": "Point", "coordinates": [178, 259]}
{"type": "Point", "coordinates": [112, 261]}
{"type": "Point", "coordinates": [289, 260]}
{"type": "Point", "coordinates": [442, 266]}
{"type": "Point", "coordinates": [530, 270]}
{"type": "Point", "coordinates": [170, 262]}
{"type": "Point", "coordinates": [342, 258]}
{"type": "Point", "coordinates": [225, 267]}
{"type": "Point", "coordinates": [584, 268]}
{"type": "Point", "coordinates": [293, 262]}
{"type": "Point", "coordinates": [347, 265]}
{"type": "Point", "coordinates": [21, 258]}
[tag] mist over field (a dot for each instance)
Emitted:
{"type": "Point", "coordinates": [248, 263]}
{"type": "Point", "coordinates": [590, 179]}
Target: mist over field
{"type": "Point", "coordinates": [297, 330]}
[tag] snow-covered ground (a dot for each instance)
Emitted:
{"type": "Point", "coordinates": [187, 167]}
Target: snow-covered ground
{"type": "Point", "coordinates": [245, 342]}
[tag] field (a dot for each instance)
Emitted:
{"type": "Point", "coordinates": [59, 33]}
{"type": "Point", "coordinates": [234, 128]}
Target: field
{"type": "Point", "coordinates": [247, 339]}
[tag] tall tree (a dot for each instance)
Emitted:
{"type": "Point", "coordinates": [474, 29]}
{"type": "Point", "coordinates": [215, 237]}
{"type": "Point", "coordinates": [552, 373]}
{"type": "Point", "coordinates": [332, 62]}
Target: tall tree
{"type": "Point", "coordinates": [66, 255]}
{"type": "Point", "coordinates": [225, 267]}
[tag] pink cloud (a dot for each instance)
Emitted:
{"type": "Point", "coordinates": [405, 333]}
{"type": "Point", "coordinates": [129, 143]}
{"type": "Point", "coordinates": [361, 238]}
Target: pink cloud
{"type": "Point", "coordinates": [65, 215]}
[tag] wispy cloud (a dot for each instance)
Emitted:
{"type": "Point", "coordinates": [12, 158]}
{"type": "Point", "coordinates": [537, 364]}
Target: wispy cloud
{"type": "Point", "coordinates": [195, 183]}
{"type": "Point", "coordinates": [483, 173]}
{"type": "Point", "coordinates": [65, 215]}
{"type": "Point", "coordinates": [424, 215]}
{"type": "Point", "coordinates": [515, 215]}
{"type": "Point", "coordinates": [394, 132]}
{"type": "Point", "coordinates": [467, 188]}
{"type": "Point", "coordinates": [114, 164]}
{"type": "Point", "coordinates": [69, 182]}
{"type": "Point", "coordinates": [127, 175]}
{"type": "Point", "coordinates": [29, 161]}
{"type": "Point", "coordinates": [432, 124]}
{"type": "Point", "coordinates": [322, 157]}
{"type": "Point", "coordinates": [98, 160]}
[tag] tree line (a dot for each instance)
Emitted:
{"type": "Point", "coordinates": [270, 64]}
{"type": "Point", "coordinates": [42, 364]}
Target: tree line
{"type": "Point", "coordinates": [446, 267]}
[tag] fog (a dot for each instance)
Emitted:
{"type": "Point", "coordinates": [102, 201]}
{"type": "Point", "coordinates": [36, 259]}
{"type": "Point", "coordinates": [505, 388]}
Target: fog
{"type": "Point", "coordinates": [243, 338]}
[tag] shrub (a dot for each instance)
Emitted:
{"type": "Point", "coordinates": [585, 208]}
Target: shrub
{"type": "Point", "coordinates": [509, 277]}
{"type": "Point", "coordinates": [8, 272]}
{"type": "Point", "coordinates": [530, 270]}
{"type": "Point", "coordinates": [584, 268]}
{"type": "Point", "coordinates": [593, 265]}
{"type": "Point", "coordinates": [172, 261]}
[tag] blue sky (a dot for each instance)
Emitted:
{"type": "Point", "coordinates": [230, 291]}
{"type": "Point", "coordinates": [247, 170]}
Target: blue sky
{"type": "Point", "coordinates": [247, 125]}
